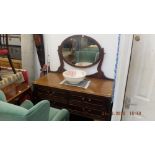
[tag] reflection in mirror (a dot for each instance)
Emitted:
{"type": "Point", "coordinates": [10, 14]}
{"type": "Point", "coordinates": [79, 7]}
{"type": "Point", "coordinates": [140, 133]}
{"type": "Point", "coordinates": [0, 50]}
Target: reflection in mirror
{"type": "Point", "coordinates": [80, 51]}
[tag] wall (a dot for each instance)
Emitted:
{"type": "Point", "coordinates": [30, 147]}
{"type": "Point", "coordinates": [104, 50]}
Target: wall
{"type": "Point", "coordinates": [27, 49]}
{"type": "Point", "coordinates": [122, 71]}
{"type": "Point", "coordinates": [107, 41]}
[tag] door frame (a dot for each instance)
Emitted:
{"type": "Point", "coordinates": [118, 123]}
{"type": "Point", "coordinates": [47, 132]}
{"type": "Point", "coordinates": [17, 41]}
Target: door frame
{"type": "Point", "coordinates": [126, 41]}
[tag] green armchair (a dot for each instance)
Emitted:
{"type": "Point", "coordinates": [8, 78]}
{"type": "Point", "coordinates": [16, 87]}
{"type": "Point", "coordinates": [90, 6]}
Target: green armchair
{"type": "Point", "coordinates": [29, 112]}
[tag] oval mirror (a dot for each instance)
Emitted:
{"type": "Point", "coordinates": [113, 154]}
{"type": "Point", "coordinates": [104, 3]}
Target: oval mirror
{"type": "Point", "coordinates": [80, 51]}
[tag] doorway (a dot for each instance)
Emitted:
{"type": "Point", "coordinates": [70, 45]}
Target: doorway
{"type": "Point", "coordinates": [139, 102]}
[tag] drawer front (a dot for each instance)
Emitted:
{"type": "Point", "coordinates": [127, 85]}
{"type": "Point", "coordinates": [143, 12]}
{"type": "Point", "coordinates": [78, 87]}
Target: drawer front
{"type": "Point", "coordinates": [76, 105]}
{"type": "Point", "coordinates": [99, 112]}
{"type": "Point", "coordinates": [42, 93]}
{"type": "Point", "coordinates": [90, 106]}
{"type": "Point", "coordinates": [95, 107]}
{"type": "Point", "coordinates": [90, 100]}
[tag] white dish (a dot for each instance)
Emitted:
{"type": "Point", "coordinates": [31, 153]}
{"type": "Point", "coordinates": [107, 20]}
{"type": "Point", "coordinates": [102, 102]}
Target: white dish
{"type": "Point", "coordinates": [74, 76]}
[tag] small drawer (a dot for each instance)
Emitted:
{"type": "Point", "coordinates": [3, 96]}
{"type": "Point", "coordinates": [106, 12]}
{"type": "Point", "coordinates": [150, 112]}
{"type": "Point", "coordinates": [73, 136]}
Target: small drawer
{"type": "Point", "coordinates": [58, 104]}
{"type": "Point", "coordinates": [76, 105]}
{"type": "Point", "coordinates": [90, 105]}
{"type": "Point", "coordinates": [77, 97]}
{"type": "Point", "coordinates": [55, 92]}
{"type": "Point", "coordinates": [102, 102]}
{"type": "Point", "coordinates": [95, 112]}
{"type": "Point", "coordinates": [59, 99]}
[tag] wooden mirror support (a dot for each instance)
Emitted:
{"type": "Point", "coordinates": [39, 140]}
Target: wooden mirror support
{"type": "Point", "coordinates": [99, 74]}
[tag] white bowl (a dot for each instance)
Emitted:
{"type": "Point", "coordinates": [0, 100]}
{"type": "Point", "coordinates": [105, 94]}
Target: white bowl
{"type": "Point", "coordinates": [74, 76]}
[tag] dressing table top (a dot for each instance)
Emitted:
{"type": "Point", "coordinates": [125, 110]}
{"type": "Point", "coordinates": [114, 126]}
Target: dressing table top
{"type": "Point", "coordinates": [99, 87]}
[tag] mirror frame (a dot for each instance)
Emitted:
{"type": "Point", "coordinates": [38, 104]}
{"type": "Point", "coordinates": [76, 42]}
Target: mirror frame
{"type": "Point", "coordinates": [62, 45]}
{"type": "Point", "coordinates": [99, 74]}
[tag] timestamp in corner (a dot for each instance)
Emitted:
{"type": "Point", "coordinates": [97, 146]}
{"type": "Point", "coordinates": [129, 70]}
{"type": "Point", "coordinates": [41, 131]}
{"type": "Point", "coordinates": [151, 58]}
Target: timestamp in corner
{"type": "Point", "coordinates": [132, 113]}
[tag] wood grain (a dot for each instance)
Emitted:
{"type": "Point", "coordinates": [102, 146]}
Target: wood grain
{"type": "Point", "coordinates": [99, 87]}
{"type": "Point", "coordinates": [14, 90]}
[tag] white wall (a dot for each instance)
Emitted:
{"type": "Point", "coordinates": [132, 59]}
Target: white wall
{"type": "Point", "coordinates": [36, 64]}
{"type": "Point", "coordinates": [122, 71]}
{"type": "Point", "coordinates": [107, 41]}
{"type": "Point", "coordinates": [27, 49]}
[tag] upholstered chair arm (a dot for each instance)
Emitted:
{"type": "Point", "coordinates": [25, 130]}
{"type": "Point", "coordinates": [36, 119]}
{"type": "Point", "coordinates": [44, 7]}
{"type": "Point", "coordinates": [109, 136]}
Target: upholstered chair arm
{"type": "Point", "coordinates": [39, 112]}
{"type": "Point", "coordinates": [62, 115]}
{"type": "Point", "coordinates": [27, 104]}
{"type": "Point", "coordinates": [10, 112]}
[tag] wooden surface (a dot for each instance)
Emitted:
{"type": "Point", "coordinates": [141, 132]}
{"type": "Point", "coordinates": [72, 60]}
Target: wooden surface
{"type": "Point", "coordinates": [14, 90]}
{"type": "Point", "coordinates": [93, 102]}
{"type": "Point", "coordinates": [97, 87]}
{"type": "Point", "coordinates": [5, 63]}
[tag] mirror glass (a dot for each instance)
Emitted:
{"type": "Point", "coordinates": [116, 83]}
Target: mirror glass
{"type": "Point", "coordinates": [80, 51]}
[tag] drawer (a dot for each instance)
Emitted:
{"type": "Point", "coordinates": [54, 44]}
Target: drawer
{"type": "Point", "coordinates": [97, 112]}
{"type": "Point", "coordinates": [69, 106]}
{"type": "Point", "coordinates": [58, 99]}
{"type": "Point", "coordinates": [77, 97]}
{"type": "Point", "coordinates": [90, 105]}
{"type": "Point", "coordinates": [99, 102]}
{"type": "Point", "coordinates": [94, 100]}
{"type": "Point", "coordinates": [50, 93]}
{"type": "Point", "coordinates": [75, 105]}
{"type": "Point", "coordinates": [87, 108]}
{"type": "Point", "coordinates": [41, 90]}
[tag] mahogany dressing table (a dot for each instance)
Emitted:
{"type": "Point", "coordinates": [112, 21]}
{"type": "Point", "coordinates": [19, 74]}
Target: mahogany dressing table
{"type": "Point", "coordinates": [95, 102]}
